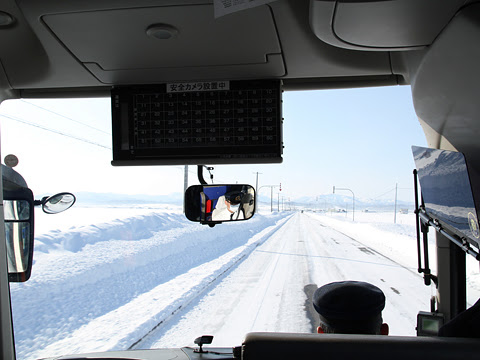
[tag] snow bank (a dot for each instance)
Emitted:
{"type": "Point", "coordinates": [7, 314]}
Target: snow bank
{"type": "Point", "coordinates": [135, 228]}
{"type": "Point", "coordinates": [79, 216]}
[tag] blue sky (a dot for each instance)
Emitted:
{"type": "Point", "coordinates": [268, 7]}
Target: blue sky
{"type": "Point", "coordinates": [357, 138]}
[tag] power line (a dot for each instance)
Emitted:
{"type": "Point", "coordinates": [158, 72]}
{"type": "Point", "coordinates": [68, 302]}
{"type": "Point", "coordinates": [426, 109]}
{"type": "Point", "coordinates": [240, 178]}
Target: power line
{"type": "Point", "coordinates": [54, 131]}
{"type": "Point", "coordinates": [385, 193]}
{"type": "Point", "coordinates": [65, 117]}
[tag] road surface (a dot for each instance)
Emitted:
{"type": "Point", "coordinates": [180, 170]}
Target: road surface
{"type": "Point", "coordinates": [270, 290]}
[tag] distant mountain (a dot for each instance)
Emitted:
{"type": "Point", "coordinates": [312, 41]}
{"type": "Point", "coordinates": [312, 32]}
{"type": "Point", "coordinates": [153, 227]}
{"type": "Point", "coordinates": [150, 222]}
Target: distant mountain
{"type": "Point", "coordinates": [89, 198]}
{"type": "Point", "coordinates": [337, 201]}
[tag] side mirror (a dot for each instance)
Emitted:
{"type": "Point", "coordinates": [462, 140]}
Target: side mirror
{"type": "Point", "coordinates": [18, 205]}
{"type": "Point", "coordinates": [19, 228]}
{"type": "Point", "coordinates": [57, 203]}
{"type": "Point", "coordinates": [214, 204]}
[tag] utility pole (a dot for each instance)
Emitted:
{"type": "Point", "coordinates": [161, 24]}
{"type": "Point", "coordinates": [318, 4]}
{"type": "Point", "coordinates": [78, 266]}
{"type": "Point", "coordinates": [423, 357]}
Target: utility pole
{"type": "Point", "coordinates": [185, 184]}
{"type": "Point", "coordinates": [395, 213]}
{"type": "Point", "coordinates": [271, 198]}
{"type": "Point", "coordinates": [256, 189]}
{"type": "Point", "coordinates": [256, 183]}
{"type": "Point", "coordinates": [271, 194]}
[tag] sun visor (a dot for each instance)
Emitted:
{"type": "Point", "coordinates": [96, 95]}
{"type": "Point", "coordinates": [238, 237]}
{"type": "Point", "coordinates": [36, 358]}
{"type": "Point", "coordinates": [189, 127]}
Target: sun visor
{"type": "Point", "coordinates": [171, 43]}
{"type": "Point", "coordinates": [447, 192]}
{"type": "Point", "coordinates": [380, 25]}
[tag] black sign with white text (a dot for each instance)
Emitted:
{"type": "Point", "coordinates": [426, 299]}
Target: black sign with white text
{"type": "Point", "coordinates": [215, 122]}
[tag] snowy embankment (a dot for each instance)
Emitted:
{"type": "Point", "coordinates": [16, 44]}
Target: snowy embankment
{"type": "Point", "coordinates": [104, 286]}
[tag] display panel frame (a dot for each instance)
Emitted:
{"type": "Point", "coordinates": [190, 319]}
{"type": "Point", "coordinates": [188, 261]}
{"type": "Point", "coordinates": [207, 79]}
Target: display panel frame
{"type": "Point", "coordinates": [447, 192]}
{"type": "Point", "coordinates": [195, 123]}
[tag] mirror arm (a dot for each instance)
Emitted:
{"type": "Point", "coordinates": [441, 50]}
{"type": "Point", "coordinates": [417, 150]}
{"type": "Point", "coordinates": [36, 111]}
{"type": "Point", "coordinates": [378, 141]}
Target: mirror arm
{"type": "Point", "coordinates": [40, 202]}
{"type": "Point", "coordinates": [200, 175]}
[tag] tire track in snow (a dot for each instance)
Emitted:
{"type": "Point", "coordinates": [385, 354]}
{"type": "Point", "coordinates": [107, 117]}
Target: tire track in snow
{"type": "Point", "coordinates": [218, 276]}
{"type": "Point", "coordinates": [267, 292]}
{"type": "Point", "coordinates": [367, 249]}
{"type": "Point", "coordinates": [273, 269]}
{"type": "Point", "coordinates": [402, 285]}
{"type": "Point", "coordinates": [264, 293]}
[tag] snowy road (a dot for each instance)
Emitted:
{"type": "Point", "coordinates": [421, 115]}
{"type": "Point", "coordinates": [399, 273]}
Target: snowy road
{"type": "Point", "coordinates": [157, 280]}
{"type": "Point", "coordinates": [267, 291]}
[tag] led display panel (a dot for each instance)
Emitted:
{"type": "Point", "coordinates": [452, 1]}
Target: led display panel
{"type": "Point", "coordinates": [215, 122]}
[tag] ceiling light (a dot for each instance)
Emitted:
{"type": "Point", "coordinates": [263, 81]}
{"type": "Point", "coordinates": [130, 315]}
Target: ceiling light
{"type": "Point", "coordinates": [6, 19]}
{"type": "Point", "coordinates": [162, 31]}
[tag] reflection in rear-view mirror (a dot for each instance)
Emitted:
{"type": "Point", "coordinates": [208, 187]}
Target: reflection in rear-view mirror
{"type": "Point", "coordinates": [219, 203]}
{"type": "Point", "coordinates": [18, 234]}
{"type": "Point", "coordinates": [19, 230]}
{"type": "Point", "coordinates": [16, 210]}
{"type": "Point", "coordinates": [19, 238]}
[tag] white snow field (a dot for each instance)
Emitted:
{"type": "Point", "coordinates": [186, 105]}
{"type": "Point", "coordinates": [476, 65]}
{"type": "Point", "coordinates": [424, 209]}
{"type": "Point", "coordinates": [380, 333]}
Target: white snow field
{"type": "Point", "coordinates": [108, 278]}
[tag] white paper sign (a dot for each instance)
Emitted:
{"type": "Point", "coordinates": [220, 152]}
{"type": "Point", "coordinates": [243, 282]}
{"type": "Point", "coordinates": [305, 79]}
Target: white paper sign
{"type": "Point", "coordinates": [224, 7]}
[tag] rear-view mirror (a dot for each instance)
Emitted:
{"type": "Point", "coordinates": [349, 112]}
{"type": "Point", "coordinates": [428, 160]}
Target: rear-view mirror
{"type": "Point", "coordinates": [211, 204]}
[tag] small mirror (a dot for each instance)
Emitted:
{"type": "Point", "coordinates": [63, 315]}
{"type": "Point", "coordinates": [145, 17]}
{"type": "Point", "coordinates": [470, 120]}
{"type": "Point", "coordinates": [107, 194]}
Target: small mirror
{"type": "Point", "coordinates": [19, 232]}
{"type": "Point", "coordinates": [19, 238]}
{"type": "Point", "coordinates": [16, 210]}
{"type": "Point", "coordinates": [210, 204]}
{"type": "Point", "coordinates": [58, 203]}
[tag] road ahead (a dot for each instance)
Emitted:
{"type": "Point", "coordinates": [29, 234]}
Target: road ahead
{"type": "Point", "coordinates": [268, 291]}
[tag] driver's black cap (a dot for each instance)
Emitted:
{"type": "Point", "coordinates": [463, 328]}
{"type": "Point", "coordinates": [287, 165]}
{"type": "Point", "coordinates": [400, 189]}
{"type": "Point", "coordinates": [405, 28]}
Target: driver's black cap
{"type": "Point", "coordinates": [234, 197]}
{"type": "Point", "coordinates": [348, 300]}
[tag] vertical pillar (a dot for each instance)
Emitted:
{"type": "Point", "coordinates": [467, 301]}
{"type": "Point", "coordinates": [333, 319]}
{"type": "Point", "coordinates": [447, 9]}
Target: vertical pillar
{"type": "Point", "coordinates": [7, 347]}
{"type": "Point", "coordinates": [451, 272]}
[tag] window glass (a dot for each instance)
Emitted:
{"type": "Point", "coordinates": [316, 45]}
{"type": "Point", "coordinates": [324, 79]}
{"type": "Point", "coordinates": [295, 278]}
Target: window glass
{"type": "Point", "coordinates": [124, 269]}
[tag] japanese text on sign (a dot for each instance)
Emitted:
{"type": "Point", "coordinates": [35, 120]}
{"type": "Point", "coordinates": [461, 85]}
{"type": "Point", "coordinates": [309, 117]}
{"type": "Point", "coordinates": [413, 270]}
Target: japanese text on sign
{"type": "Point", "coordinates": [198, 86]}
